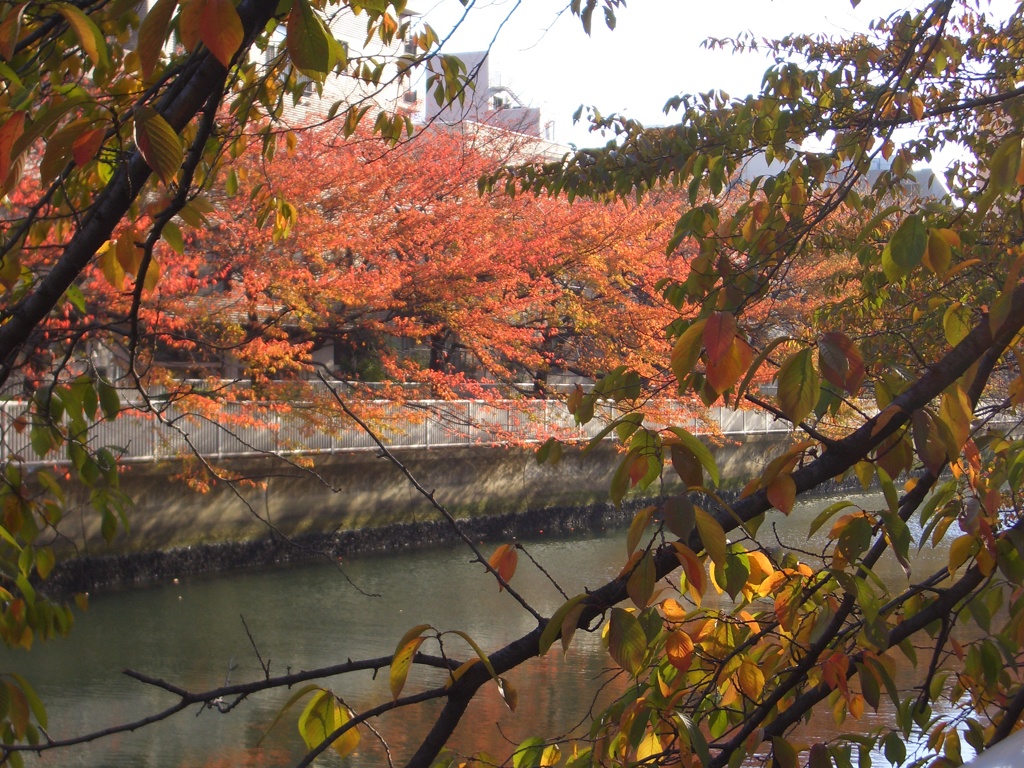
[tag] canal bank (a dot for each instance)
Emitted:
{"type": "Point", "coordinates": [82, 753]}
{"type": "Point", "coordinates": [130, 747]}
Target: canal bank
{"type": "Point", "coordinates": [349, 503]}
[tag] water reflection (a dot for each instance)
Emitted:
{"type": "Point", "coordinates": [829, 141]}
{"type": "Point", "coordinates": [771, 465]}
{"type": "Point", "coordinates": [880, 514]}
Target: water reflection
{"type": "Point", "coordinates": [192, 634]}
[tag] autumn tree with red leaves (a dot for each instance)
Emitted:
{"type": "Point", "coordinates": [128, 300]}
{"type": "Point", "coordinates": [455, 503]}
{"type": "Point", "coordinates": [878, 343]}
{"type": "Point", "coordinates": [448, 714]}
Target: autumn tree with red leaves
{"type": "Point", "coordinates": [391, 257]}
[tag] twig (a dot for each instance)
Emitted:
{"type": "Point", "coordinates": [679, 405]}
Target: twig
{"type": "Point", "coordinates": [429, 496]}
{"type": "Point", "coordinates": [264, 665]}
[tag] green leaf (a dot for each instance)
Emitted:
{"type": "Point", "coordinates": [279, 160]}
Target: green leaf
{"type": "Point", "coordinates": [637, 527]}
{"type": "Point", "coordinates": [1004, 163]}
{"type": "Point", "coordinates": [307, 39]}
{"type": "Point", "coordinates": [627, 642]}
{"type": "Point", "coordinates": [894, 748]}
{"type": "Point", "coordinates": [631, 421]}
{"type": "Point", "coordinates": [784, 753]}
{"type": "Point", "coordinates": [41, 439]}
{"type": "Point", "coordinates": [680, 516]}
{"type": "Point", "coordinates": [44, 564]}
{"type": "Point", "coordinates": [554, 625]}
{"type": "Point", "coordinates": [529, 753]}
{"type": "Point", "coordinates": [161, 148]}
{"type": "Point", "coordinates": [171, 233]}
{"type": "Point", "coordinates": [640, 586]}
{"type": "Point", "coordinates": [153, 33]}
{"type": "Point", "coordinates": [110, 401]}
{"type": "Point", "coordinates": [712, 535]}
{"type": "Point", "coordinates": [480, 654]}
{"type": "Point", "coordinates": [827, 513]}
{"type": "Point", "coordinates": [905, 249]}
{"type": "Point", "coordinates": [799, 386]}
{"type": "Point", "coordinates": [928, 442]}
{"type": "Point", "coordinates": [34, 702]}
{"type": "Point", "coordinates": [620, 480]}
{"type": "Point", "coordinates": [956, 323]}
{"type": "Point", "coordinates": [695, 446]}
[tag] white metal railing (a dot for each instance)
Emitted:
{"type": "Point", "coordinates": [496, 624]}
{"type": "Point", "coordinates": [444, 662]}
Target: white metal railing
{"type": "Point", "coordinates": [240, 429]}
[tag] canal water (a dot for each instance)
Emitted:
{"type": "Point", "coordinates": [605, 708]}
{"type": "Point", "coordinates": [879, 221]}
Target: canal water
{"type": "Point", "coordinates": [193, 633]}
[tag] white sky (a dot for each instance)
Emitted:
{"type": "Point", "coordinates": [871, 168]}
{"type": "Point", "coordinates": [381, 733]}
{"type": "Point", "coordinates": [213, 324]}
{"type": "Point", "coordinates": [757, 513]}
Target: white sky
{"type": "Point", "coordinates": [654, 53]}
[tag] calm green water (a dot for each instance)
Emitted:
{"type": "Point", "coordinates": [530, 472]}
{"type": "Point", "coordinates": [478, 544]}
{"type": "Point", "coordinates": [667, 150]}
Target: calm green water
{"type": "Point", "coordinates": [192, 634]}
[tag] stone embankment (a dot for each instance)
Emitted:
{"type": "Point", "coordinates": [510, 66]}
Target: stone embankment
{"type": "Point", "coordinates": [90, 573]}
{"type": "Point", "coordinates": [346, 504]}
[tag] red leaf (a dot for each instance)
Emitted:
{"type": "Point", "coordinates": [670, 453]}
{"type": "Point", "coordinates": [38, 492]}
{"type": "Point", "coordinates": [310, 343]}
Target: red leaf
{"type": "Point", "coordinates": [85, 147]}
{"type": "Point", "coordinates": [504, 561]}
{"type": "Point", "coordinates": [782, 493]}
{"type": "Point", "coordinates": [220, 29]}
{"type": "Point", "coordinates": [9, 133]}
{"type": "Point", "coordinates": [719, 332]}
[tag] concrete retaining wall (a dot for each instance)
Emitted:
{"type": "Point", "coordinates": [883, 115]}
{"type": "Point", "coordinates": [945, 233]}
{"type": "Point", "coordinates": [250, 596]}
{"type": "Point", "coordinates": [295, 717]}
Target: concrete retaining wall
{"type": "Point", "coordinates": [359, 490]}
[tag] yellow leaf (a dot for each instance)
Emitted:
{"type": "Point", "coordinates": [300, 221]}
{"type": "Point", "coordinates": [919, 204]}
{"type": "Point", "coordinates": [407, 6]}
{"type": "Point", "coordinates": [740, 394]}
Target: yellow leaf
{"type": "Point", "coordinates": [636, 528]}
{"type": "Point", "coordinates": [986, 563]}
{"type": "Point", "coordinates": [402, 660]}
{"type": "Point", "coordinates": [686, 350]}
{"type": "Point", "coordinates": [960, 550]}
{"type": "Point", "coordinates": [865, 472]}
{"type": "Point", "coordinates": [938, 256]}
{"type": "Point", "coordinates": [460, 671]}
{"type": "Point", "coordinates": [856, 705]}
{"type": "Point", "coordinates": [712, 535]}
{"type": "Point", "coordinates": [673, 611]}
{"type": "Point", "coordinates": [129, 256]}
{"type": "Point", "coordinates": [569, 625]}
{"type": "Point", "coordinates": [508, 693]}
{"type": "Point", "coordinates": [401, 663]}
{"type": "Point", "coordinates": [916, 107]}
{"type": "Point", "coordinates": [324, 715]}
{"type": "Point", "coordinates": [10, 269]}
{"type": "Point", "coordinates": [649, 746]}
{"type": "Point", "coordinates": [693, 580]}
{"type": "Point", "coordinates": [640, 586]}
{"type": "Point", "coordinates": [955, 413]}
{"type": "Point", "coordinates": [679, 650]}
{"type": "Point", "coordinates": [750, 679]}
{"type": "Point", "coordinates": [153, 273]}
{"type": "Point", "coordinates": [112, 270]}
{"type": "Point", "coordinates": [89, 36]}
{"type": "Point", "coordinates": [160, 146]}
